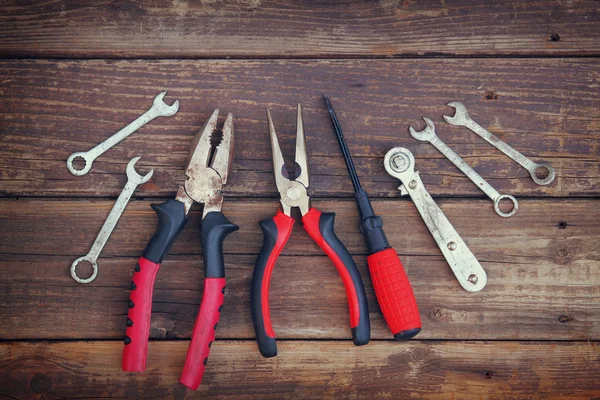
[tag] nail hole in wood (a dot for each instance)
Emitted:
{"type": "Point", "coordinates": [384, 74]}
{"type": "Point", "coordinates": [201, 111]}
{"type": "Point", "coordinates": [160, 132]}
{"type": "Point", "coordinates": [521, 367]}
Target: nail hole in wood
{"type": "Point", "coordinates": [563, 319]}
{"type": "Point", "coordinates": [562, 253]}
{"type": "Point", "coordinates": [489, 95]}
{"type": "Point", "coordinates": [562, 225]}
{"type": "Point", "coordinates": [555, 37]}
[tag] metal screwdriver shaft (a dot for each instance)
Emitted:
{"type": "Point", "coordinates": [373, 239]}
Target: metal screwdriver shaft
{"type": "Point", "coordinates": [340, 136]}
{"type": "Point", "coordinates": [371, 225]}
{"type": "Point", "coordinates": [392, 287]}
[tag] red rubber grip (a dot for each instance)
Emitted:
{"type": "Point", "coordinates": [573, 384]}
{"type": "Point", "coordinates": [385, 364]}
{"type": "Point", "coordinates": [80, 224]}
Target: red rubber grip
{"type": "Point", "coordinates": [311, 225]}
{"type": "Point", "coordinates": [138, 317]}
{"type": "Point", "coordinates": [203, 334]}
{"type": "Point", "coordinates": [394, 293]}
{"type": "Point", "coordinates": [284, 225]}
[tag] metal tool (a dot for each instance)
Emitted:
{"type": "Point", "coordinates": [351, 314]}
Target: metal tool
{"type": "Point", "coordinates": [159, 109]}
{"type": "Point", "coordinates": [207, 170]}
{"type": "Point", "coordinates": [400, 163]}
{"type": "Point", "coordinates": [462, 118]}
{"type": "Point", "coordinates": [320, 227]}
{"type": "Point", "coordinates": [133, 180]}
{"type": "Point", "coordinates": [392, 287]}
{"type": "Point", "coordinates": [428, 135]}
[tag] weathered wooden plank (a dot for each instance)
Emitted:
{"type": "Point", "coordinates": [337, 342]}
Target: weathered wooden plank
{"type": "Point", "coordinates": [539, 229]}
{"type": "Point", "coordinates": [543, 280]}
{"type": "Point", "coordinates": [268, 28]}
{"type": "Point", "coordinates": [548, 109]}
{"type": "Point", "coordinates": [426, 370]}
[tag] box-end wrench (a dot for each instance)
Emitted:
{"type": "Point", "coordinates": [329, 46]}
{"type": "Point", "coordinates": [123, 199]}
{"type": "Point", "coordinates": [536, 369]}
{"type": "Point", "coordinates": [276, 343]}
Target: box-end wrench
{"type": "Point", "coordinates": [400, 163]}
{"type": "Point", "coordinates": [159, 109]}
{"type": "Point", "coordinates": [428, 135]}
{"type": "Point", "coordinates": [462, 118]}
{"type": "Point", "coordinates": [133, 180]}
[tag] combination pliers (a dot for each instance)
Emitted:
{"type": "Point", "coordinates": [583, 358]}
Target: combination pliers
{"type": "Point", "coordinates": [206, 171]}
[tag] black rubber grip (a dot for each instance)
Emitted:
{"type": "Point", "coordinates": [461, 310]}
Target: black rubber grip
{"type": "Point", "coordinates": [361, 333]}
{"type": "Point", "coordinates": [266, 345]}
{"type": "Point", "coordinates": [215, 227]}
{"type": "Point", "coordinates": [171, 220]}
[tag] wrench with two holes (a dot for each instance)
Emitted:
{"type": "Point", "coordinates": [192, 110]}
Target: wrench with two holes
{"type": "Point", "coordinates": [133, 180]}
{"type": "Point", "coordinates": [462, 118]}
{"type": "Point", "coordinates": [159, 109]}
{"type": "Point", "coordinates": [428, 135]}
{"type": "Point", "coordinates": [399, 162]}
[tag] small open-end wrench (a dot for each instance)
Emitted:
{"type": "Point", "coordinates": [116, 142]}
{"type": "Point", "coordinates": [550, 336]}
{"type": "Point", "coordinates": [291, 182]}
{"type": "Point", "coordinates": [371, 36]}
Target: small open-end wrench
{"type": "Point", "coordinates": [462, 118]}
{"type": "Point", "coordinates": [133, 180]}
{"type": "Point", "coordinates": [428, 135]}
{"type": "Point", "coordinates": [159, 109]}
{"type": "Point", "coordinates": [400, 163]}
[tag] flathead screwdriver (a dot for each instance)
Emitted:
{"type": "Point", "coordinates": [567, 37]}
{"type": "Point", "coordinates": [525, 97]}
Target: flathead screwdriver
{"type": "Point", "coordinates": [392, 287]}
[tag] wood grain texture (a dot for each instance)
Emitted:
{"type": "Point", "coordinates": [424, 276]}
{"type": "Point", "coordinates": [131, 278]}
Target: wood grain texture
{"type": "Point", "coordinates": [269, 28]}
{"type": "Point", "coordinates": [425, 370]}
{"type": "Point", "coordinates": [542, 266]}
{"type": "Point", "coordinates": [547, 109]}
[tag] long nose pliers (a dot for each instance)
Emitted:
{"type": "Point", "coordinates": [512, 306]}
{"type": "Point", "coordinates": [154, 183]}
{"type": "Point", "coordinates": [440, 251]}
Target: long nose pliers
{"type": "Point", "coordinates": [206, 171]}
{"type": "Point", "coordinates": [319, 227]}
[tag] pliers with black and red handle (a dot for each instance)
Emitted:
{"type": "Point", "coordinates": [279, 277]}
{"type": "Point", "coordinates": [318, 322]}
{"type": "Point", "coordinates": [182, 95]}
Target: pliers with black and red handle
{"type": "Point", "coordinates": [319, 227]}
{"type": "Point", "coordinates": [206, 171]}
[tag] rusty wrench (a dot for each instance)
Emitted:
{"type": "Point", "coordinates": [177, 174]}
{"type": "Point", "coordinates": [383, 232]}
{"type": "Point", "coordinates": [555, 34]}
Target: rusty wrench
{"type": "Point", "coordinates": [159, 109]}
{"type": "Point", "coordinates": [462, 118]}
{"type": "Point", "coordinates": [428, 135]}
{"type": "Point", "coordinates": [133, 180]}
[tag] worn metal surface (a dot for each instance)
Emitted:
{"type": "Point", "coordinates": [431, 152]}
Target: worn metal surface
{"type": "Point", "coordinates": [207, 171]}
{"type": "Point", "coordinates": [293, 193]}
{"type": "Point", "coordinates": [400, 163]}
{"type": "Point", "coordinates": [159, 109]}
{"type": "Point", "coordinates": [462, 118]}
{"type": "Point", "coordinates": [133, 180]}
{"type": "Point", "coordinates": [428, 135]}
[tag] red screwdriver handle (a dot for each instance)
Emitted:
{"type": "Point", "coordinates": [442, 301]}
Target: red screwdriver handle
{"type": "Point", "coordinates": [320, 228]}
{"type": "Point", "coordinates": [394, 294]}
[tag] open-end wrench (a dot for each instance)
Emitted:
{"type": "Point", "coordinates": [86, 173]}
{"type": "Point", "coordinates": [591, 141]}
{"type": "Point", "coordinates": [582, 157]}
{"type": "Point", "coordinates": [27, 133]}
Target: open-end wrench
{"type": "Point", "coordinates": [400, 163]}
{"type": "Point", "coordinates": [462, 118]}
{"type": "Point", "coordinates": [133, 180]}
{"type": "Point", "coordinates": [159, 109]}
{"type": "Point", "coordinates": [428, 135]}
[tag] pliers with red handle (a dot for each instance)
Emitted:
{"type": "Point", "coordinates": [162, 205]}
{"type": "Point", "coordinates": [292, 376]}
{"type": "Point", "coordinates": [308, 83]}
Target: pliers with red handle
{"type": "Point", "coordinates": [207, 171]}
{"type": "Point", "coordinates": [319, 226]}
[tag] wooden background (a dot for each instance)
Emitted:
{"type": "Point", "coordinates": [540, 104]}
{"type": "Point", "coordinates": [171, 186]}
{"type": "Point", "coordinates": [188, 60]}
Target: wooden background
{"type": "Point", "coordinates": [74, 72]}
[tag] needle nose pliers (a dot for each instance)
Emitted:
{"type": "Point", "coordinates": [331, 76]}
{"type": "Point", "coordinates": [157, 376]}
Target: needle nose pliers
{"type": "Point", "coordinates": [319, 227]}
{"type": "Point", "coordinates": [206, 171]}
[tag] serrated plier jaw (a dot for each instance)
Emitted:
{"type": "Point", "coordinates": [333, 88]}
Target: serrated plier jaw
{"type": "Point", "coordinates": [208, 167]}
